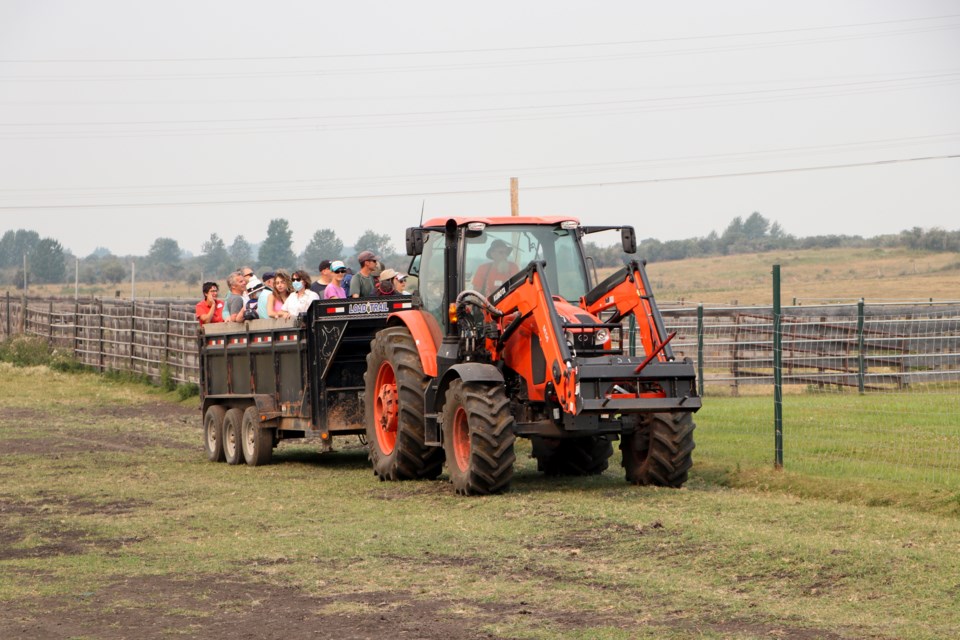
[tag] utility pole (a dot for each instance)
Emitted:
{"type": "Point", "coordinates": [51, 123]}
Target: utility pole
{"type": "Point", "coordinates": [76, 281]}
{"type": "Point", "coordinates": [133, 281]}
{"type": "Point", "coordinates": [514, 197]}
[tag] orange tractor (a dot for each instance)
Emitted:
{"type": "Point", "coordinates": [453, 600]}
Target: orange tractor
{"type": "Point", "coordinates": [509, 334]}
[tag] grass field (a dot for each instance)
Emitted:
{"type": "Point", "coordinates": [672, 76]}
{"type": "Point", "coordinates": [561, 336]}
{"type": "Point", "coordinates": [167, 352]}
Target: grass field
{"type": "Point", "coordinates": [114, 525]}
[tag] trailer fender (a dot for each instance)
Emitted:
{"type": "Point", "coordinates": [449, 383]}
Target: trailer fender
{"type": "Point", "coordinates": [426, 335]}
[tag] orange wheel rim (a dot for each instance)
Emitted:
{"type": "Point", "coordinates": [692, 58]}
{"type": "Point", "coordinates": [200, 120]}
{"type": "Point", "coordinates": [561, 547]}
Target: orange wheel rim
{"type": "Point", "coordinates": [461, 439]}
{"type": "Point", "coordinates": [386, 408]}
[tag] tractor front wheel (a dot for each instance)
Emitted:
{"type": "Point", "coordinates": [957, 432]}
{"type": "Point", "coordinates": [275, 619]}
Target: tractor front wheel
{"type": "Point", "coordinates": [478, 438]}
{"type": "Point", "coordinates": [659, 451]}
{"type": "Point", "coordinates": [393, 416]}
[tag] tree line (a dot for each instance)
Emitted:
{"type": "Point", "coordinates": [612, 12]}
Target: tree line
{"type": "Point", "coordinates": [47, 260]}
{"type": "Point", "coordinates": [756, 234]}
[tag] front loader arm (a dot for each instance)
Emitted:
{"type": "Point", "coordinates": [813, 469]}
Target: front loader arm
{"type": "Point", "coordinates": [628, 291]}
{"type": "Point", "coordinates": [527, 294]}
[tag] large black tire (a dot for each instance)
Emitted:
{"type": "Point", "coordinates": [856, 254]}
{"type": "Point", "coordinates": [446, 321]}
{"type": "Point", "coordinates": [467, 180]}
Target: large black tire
{"type": "Point", "coordinates": [233, 436]}
{"type": "Point", "coordinates": [393, 416]}
{"type": "Point", "coordinates": [257, 443]}
{"type": "Point", "coordinates": [213, 432]}
{"type": "Point", "coordinates": [478, 438]}
{"type": "Point", "coordinates": [586, 456]}
{"type": "Point", "coordinates": [659, 451]}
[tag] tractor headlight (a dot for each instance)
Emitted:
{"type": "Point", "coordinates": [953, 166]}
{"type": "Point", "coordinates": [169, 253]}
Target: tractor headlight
{"type": "Point", "coordinates": [601, 336]}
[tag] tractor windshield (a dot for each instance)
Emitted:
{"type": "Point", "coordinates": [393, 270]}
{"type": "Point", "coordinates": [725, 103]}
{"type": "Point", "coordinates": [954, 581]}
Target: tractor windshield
{"type": "Point", "coordinates": [499, 252]}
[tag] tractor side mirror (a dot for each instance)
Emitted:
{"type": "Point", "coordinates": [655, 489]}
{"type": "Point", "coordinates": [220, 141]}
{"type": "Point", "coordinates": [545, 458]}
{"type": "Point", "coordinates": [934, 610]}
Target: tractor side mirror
{"type": "Point", "coordinates": [414, 241]}
{"type": "Point", "coordinates": [629, 239]}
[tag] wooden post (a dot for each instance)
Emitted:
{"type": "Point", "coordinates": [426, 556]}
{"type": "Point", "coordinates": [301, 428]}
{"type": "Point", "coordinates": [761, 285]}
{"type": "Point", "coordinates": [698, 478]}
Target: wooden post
{"type": "Point", "coordinates": [76, 329]}
{"type": "Point", "coordinates": [133, 340]}
{"type": "Point", "coordinates": [50, 324]}
{"type": "Point", "coordinates": [8, 314]}
{"type": "Point", "coordinates": [100, 324]}
{"type": "Point", "coordinates": [514, 197]}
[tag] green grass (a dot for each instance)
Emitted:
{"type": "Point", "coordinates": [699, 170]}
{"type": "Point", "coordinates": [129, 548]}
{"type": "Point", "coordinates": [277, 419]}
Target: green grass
{"type": "Point", "coordinates": [742, 552]}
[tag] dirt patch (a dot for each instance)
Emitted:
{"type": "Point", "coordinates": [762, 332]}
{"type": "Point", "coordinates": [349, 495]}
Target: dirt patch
{"type": "Point", "coordinates": [216, 607]}
{"type": "Point", "coordinates": [158, 607]}
{"type": "Point", "coordinates": [55, 442]}
{"type": "Point", "coordinates": [32, 530]}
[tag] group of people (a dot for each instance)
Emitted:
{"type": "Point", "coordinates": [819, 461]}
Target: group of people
{"type": "Point", "coordinates": [279, 294]}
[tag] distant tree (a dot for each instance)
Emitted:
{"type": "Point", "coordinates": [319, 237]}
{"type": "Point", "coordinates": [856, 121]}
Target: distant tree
{"type": "Point", "coordinates": [755, 226]}
{"type": "Point", "coordinates": [241, 253]}
{"type": "Point", "coordinates": [47, 261]}
{"type": "Point", "coordinates": [100, 252]}
{"type": "Point", "coordinates": [16, 244]}
{"type": "Point", "coordinates": [324, 245]}
{"type": "Point", "coordinates": [276, 250]}
{"type": "Point", "coordinates": [379, 243]}
{"type": "Point", "coordinates": [164, 257]}
{"type": "Point", "coordinates": [215, 259]}
{"type": "Point", "coordinates": [113, 272]}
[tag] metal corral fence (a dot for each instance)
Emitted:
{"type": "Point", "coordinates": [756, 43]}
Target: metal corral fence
{"type": "Point", "coordinates": [869, 390]}
{"type": "Point", "coordinates": [140, 337]}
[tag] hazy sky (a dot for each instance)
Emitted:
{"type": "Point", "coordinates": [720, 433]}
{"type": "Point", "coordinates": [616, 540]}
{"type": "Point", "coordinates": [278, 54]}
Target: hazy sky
{"type": "Point", "coordinates": [124, 121]}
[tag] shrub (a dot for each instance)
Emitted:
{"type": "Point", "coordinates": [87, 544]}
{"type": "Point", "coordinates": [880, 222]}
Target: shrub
{"type": "Point", "coordinates": [167, 383]}
{"type": "Point", "coordinates": [24, 351]}
{"type": "Point", "coordinates": [187, 390]}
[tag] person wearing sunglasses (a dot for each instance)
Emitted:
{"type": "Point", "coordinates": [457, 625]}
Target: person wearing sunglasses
{"type": "Point", "coordinates": [302, 296]}
{"type": "Point", "coordinates": [335, 289]}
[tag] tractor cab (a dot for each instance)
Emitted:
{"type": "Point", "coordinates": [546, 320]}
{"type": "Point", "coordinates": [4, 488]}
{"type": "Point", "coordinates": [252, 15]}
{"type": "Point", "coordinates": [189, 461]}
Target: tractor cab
{"type": "Point", "coordinates": [481, 254]}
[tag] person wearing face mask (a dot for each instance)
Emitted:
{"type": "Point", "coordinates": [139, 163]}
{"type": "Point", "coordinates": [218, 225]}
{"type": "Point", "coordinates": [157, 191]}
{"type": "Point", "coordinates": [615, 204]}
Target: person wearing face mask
{"type": "Point", "coordinates": [302, 296]}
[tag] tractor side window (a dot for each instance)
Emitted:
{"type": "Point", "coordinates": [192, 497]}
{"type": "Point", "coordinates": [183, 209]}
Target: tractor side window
{"type": "Point", "coordinates": [571, 277]}
{"type": "Point", "coordinates": [429, 283]}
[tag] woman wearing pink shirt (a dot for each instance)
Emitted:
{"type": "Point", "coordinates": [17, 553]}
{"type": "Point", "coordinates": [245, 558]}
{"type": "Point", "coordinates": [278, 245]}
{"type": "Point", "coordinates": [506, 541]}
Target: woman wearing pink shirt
{"type": "Point", "coordinates": [335, 288]}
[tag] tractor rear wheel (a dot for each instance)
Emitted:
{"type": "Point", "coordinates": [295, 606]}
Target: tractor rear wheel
{"type": "Point", "coordinates": [393, 416]}
{"type": "Point", "coordinates": [659, 451]}
{"type": "Point", "coordinates": [213, 432]}
{"type": "Point", "coordinates": [586, 456]}
{"type": "Point", "coordinates": [257, 442]}
{"type": "Point", "coordinates": [233, 436]}
{"type": "Point", "coordinates": [478, 438]}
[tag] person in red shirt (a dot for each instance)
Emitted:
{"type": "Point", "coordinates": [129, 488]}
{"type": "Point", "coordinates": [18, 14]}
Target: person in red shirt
{"type": "Point", "coordinates": [210, 309]}
{"type": "Point", "coordinates": [491, 275]}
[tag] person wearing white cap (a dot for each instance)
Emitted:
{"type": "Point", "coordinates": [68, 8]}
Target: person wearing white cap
{"type": "Point", "coordinates": [391, 282]}
{"type": "Point", "coordinates": [335, 288]}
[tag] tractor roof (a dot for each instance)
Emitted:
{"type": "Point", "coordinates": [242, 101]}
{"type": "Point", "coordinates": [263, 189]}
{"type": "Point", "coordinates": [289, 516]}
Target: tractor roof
{"type": "Point", "coordinates": [501, 220]}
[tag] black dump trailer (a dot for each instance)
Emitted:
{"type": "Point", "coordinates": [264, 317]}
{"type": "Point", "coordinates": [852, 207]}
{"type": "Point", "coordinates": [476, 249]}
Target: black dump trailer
{"type": "Point", "coordinates": [263, 381]}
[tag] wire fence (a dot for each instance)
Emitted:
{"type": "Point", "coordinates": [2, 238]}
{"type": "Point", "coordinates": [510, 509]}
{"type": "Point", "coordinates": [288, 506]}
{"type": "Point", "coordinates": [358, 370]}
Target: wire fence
{"type": "Point", "coordinates": [869, 390]}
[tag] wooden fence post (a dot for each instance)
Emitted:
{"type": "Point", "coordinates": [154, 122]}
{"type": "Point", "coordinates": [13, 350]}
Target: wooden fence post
{"type": "Point", "coordinates": [76, 328]}
{"type": "Point", "coordinates": [133, 328]}
{"type": "Point", "coordinates": [100, 333]}
{"type": "Point", "coordinates": [8, 314]}
{"type": "Point", "coordinates": [50, 325]}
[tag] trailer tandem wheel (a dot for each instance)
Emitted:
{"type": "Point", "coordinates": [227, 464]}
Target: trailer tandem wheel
{"type": "Point", "coordinates": [213, 433]}
{"type": "Point", "coordinates": [478, 437]}
{"type": "Point", "coordinates": [257, 442]}
{"type": "Point", "coordinates": [394, 388]}
{"type": "Point", "coordinates": [233, 436]}
{"type": "Point", "coordinates": [659, 451]}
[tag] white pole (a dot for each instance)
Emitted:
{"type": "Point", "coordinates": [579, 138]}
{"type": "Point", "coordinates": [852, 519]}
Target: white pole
{"type": "Point", "coordinates": [133, 281]}
{"type": "Point", "coordinates": [76, 281]}
{"type": "Point", "coordinates": [24, 273]}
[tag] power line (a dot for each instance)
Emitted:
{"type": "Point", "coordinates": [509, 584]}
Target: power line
{"type": "Point", "coordinates": [486, 50]}
{"type": "Point", "coordinates": [489, 190]}
{"type": "Point", "coordinates": [355, 71]}
{"type": "Point", "coordinates": [315, 183]}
